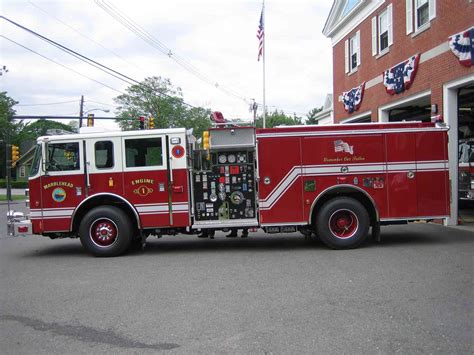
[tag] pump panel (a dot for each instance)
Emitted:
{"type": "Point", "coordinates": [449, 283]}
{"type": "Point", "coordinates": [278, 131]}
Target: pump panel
{"type": "Point", "coordinates": [224, 190]}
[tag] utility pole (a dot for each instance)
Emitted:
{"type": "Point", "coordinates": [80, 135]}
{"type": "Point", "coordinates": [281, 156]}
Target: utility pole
{"type": "Point", "coordinates": [81, 111]}
{"type": "Point", "coordinates": [8, 162]}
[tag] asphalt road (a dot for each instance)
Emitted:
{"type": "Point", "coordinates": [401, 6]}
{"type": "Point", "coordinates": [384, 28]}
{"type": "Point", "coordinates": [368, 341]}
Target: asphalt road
{"type": "Point", "coordinates": [412, 293]}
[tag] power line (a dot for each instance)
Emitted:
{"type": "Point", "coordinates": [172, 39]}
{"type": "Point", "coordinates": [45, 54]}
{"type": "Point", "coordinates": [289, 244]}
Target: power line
{"type": "Point", "coordinates": [49, 103]}
{"type": "Point", "coordinates": [49, 117]}
{"type": "Point", "coordinates": [152, 41]}
{"type": "Point", "coordinates": [62, 65]}
{"type": "Point", "coordinates": [79, 56]}
{"type": "Point", "coordinates": [101, 103]}
{"type": "Point", "coordinates": [134, 27]}
{"type": "Point", "coordinates": [93, 63]}
{"type": "Point", "coordinates": [83, 35]}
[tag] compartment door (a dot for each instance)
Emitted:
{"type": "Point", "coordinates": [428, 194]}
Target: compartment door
{"type": "Point", "coordinates": [401, 175]}
{"type": "Point", "coordinates": [178, 180]}
{"type": "Point", "coordinates": [280, 180]}
{"type": "Point", "coordinates": [432, 174]}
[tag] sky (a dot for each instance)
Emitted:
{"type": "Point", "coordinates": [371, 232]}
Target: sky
{"type": "Point", "coordinates": [216, 39]}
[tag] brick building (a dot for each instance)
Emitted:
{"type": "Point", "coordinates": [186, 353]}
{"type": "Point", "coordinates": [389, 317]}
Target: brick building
{"type": "Point", "coordinates": [392, 61]}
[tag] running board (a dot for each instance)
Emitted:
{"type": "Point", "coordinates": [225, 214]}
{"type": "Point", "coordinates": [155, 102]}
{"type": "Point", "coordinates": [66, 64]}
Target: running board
{"type": "Point", "coordinates": [226, 223]}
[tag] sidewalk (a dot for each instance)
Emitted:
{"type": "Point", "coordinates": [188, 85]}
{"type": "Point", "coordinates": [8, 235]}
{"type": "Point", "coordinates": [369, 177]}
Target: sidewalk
{"type": "Point", "coordinates": [14, 192]}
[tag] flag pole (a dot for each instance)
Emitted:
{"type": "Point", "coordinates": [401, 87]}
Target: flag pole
{"type": "Point", "coordinates": [263, 57]}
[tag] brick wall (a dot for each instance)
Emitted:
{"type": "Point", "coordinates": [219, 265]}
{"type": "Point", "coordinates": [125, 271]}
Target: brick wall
{"type": "Point", "coordinates": [452, 16]}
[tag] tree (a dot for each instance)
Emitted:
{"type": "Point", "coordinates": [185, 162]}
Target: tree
{"type": "Point", "coordinates": [312, 115]}
{"type": "Point", "coordinates": [7, 125]}
{"type": "Point", "coordinates": [158, 97]}
{"type": "Point", "coordinates": [276, 118]}
{"type": "Point", "coordinates": [40, 128]}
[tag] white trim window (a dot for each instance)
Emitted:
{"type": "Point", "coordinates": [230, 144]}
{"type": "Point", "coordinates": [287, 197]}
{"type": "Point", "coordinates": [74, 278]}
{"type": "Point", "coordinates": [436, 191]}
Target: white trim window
{"type": "Point", "coordinates": [22, 172]}
{"type": "Point", "coordinates": [382, 31]}
{"type": "Point", "coordinates": [419, 14]}
{"type": "Point", "coordinates": [352, 53]}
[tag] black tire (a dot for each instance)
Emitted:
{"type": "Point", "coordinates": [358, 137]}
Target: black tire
{"type": "Point", "coordinates": [342, 223]}
{"type": "Point", "coordinates": [106, 231]}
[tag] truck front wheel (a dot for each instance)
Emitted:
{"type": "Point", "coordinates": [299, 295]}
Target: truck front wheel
{"type": "Point", "coordinates": [106, 231]}
{"type": "Point", "coordinates": [342, 223]}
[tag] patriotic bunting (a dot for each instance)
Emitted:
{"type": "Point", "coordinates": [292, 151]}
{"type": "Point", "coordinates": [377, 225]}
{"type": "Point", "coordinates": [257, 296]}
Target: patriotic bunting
{"type": "Point", "coordinates": [400, 77]}
{"type": "Point", "coordinates": [462, 45]}
{"type": "Point", "coordinates": [352, 99]}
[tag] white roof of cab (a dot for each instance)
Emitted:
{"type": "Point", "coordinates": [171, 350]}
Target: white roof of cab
{"type": "Point", "coordinates": [136, 133]}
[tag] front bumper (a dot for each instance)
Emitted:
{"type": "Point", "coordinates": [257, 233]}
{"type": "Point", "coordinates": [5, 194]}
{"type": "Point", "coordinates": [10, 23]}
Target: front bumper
{"type": "Point", "coordinates": [18, 224]}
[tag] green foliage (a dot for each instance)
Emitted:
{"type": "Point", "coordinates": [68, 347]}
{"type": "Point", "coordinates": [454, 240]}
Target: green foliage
{"type": "Point", "coordinates": [276, 118]}
{"type": "Point", "coordinates": [19, 133]}
{"type": "Point", "coordinates": [40, 128]}
{"type": "Point", "coordinates": [312, 115]}
{"type": "Point", "coordinates": [23, 184]}
{"type": "Point", "coordinates": [7, 126]}
{"type": "Point", "coordinates": [158, 97]}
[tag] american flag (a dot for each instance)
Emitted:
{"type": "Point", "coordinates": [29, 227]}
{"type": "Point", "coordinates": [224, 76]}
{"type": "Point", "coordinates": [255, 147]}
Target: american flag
{"type": "Point", "coordinates": [260, 36]}
{"type": "Point", "coordinates": [341, 146]}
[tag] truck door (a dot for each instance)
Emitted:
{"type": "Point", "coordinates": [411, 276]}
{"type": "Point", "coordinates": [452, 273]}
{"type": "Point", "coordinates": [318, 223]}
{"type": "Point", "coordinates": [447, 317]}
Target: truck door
{"type": "Point", "coordinates": [104, 165]}
{"type": "Point", "coordinates": [62, 183]}
{"type": "Point", "coordinates": [154, 182]}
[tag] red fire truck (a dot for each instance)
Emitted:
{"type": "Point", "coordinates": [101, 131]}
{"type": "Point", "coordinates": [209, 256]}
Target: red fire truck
{"type": "Point", "coordinates": [112, 188]}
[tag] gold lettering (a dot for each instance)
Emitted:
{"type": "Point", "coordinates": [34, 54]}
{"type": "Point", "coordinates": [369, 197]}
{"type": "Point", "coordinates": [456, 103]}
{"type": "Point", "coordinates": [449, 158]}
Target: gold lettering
{"type": "Point", "coordinates": [332, 160]}
{"type": "Point", "coordinates": [143, 181]}
{"type": "Point", "coordinates": [58, 183]}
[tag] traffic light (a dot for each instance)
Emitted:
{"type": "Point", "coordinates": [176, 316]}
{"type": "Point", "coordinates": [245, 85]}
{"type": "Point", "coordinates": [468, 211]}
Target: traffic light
{"type": "Point", "coordinates": [151, 123]}
{"type": "Point", "coordinates": [142, 122]}
{"type": "Point", "coordinates": [205, 140]}
{"type": "Point", "coordinates": [90, 120]}
{"type": "Point", "coordinates": [15, 154]}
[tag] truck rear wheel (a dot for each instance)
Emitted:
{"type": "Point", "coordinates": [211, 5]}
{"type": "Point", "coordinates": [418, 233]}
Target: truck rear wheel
{"type": "Point", "coordinates": [342, 223]}
{"type": "Point", "coordinates": [106, 231]}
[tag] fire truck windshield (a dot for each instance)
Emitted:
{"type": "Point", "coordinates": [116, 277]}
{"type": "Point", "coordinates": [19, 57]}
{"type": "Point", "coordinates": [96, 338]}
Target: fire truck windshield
{"type": "Point", "coordinates": [36, 161]}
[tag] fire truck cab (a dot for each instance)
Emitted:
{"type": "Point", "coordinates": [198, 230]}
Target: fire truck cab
{"type": "Point", "coordinates": [112, 188]}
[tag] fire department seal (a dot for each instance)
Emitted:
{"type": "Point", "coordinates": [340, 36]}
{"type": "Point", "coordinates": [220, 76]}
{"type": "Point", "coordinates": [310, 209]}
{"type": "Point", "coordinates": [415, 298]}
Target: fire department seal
{"type": "Point", "coordinates": [59, 195]}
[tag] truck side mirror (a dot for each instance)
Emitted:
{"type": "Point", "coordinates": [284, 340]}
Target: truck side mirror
{"type": "Point", "coordinates": [45, 159]}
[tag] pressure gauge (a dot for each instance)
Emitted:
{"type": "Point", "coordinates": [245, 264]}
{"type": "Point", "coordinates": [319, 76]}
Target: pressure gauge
{"type": "Point", "coordinates": [241, 158]}
{"type": "Point", "coordinates": [231, 158]}
{"type": "Point", "coordinates": [237, 197]}
{"type": "Point", "coordinates": [222, 159]}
